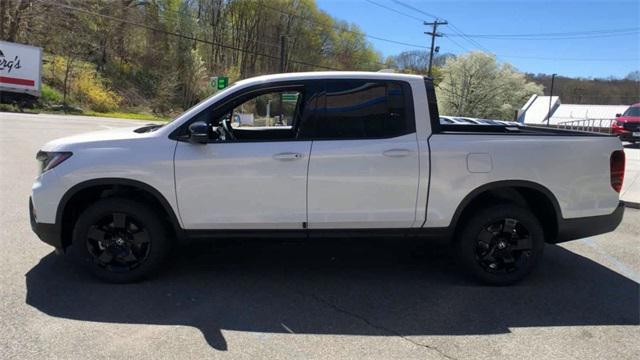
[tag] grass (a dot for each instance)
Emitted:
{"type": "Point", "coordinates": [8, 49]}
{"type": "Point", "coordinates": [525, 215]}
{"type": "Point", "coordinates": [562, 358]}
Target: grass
{"type": "Point", "coordinates": [127, 115]}
{"type": "Point", "coordinates": [114, 114]}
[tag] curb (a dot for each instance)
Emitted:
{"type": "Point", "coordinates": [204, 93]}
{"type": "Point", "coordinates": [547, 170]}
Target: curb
{"type": "Point", "coordinates": [630, 204]}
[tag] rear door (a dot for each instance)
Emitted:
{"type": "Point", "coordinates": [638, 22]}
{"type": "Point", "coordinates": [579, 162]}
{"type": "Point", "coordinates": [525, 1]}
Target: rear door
{"type": "Point", "coordinates": [364, 165]}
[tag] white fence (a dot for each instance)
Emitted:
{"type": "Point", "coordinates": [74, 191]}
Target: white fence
{"type": "Point", "coordinates": [589, 125]}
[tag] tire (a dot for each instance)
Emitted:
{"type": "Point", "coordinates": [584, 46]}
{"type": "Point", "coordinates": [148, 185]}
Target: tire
{"type": "Point", "coordinates": [500, 245]}
{"type": "Point", "coordinates": [120, 240]}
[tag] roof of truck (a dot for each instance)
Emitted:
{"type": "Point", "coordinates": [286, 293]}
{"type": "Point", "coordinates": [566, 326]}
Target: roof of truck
{"type": "Point", "coordinates": [331, 75]}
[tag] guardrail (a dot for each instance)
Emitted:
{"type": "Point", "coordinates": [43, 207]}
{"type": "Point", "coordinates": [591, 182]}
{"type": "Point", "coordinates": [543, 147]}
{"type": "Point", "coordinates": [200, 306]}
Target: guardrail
{"type": "Point", "coordinates": [588, 125]}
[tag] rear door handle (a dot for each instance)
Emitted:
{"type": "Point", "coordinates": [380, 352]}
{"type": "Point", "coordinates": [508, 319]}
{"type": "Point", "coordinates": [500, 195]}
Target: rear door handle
{"type": "Point", "coordinates": [288, 156]}
{"type": "Point", "coordinates": [396, 153]}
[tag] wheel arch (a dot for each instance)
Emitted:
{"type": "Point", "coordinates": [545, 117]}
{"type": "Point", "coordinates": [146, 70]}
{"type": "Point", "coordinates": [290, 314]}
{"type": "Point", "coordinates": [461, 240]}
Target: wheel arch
{"type": "Point", "coordinates": [534, 196]}
{"type": "Point", "coordinates": [86, 192]}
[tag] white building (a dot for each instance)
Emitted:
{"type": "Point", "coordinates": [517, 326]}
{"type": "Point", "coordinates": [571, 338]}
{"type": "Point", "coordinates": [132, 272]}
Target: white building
{"type": "Point", "coordinates": [536, 110]}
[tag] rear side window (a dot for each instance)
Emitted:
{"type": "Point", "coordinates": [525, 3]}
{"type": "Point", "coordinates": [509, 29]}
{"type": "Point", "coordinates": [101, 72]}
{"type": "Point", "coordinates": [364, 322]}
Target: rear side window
{"type": "Point", "coordinates": [359, 109]}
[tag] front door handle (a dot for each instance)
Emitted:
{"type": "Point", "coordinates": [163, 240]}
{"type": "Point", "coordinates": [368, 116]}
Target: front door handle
{"type": "Point", "coordinates": [396, 153]}
{"type": "Point", "coordinates": [288, 156]}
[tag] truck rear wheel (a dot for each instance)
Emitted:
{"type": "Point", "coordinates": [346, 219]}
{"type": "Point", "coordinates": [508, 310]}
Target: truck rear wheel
{"type": "Point", "coordinates": [120, 240]}
{"type": "Point", "coordinates": [500, 245]}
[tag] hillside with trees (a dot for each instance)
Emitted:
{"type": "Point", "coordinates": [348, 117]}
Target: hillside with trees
{"type": "Point", "coordinates": [609, 91]}
{"type": "Point", "coordinates": [158, 55]}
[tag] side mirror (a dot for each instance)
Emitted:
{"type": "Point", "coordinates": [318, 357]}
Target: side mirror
{"type": "Point", "coordinates": [618, 115]}
{"type": "Point", "coordinates": [199, 132]}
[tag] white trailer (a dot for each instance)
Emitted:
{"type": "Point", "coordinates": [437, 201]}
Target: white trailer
{"type": "Point", "coordinates": [20, 71]}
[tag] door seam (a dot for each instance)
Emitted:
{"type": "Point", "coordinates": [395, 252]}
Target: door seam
{"type": "Point", "coordinates": [305, 224]}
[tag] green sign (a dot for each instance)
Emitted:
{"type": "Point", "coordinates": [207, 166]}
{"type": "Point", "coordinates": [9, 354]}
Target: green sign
{"type": "Point", "coordinates": [223, 82]}
{"type": "Point", "coordinates": [290, 97]}
{"type": "Point", "coordinates": [218, 82]}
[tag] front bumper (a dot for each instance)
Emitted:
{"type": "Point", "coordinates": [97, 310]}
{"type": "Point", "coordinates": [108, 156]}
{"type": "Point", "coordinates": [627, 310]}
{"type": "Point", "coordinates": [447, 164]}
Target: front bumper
{"type": "Point", "coordinates": [578, 228]}
{"type": "Point", "coordinates": [49, 233]}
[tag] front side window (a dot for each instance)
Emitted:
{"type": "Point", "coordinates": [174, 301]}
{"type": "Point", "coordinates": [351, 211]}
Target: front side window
{"type": "Point", "coordinates": [265, 116]}
{"type": "Point", "coordinates": [274, 110]}
{"type": "Point", "coordinates": [359, 109]}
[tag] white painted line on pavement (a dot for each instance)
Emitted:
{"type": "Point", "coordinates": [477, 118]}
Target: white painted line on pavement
{"type": "Point", "coordinates": [617, 264]}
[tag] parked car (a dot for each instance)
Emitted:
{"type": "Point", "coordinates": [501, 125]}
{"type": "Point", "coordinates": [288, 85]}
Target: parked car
{"type": "Point", "coordinates": [364, 154]}
{"type": "Point", "coordinates": [627, 125]}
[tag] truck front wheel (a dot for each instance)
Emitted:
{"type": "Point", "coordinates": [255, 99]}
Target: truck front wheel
{"type": "Point", "coordinates": [500, 245]}
{"type": "Point", "coordinates": [119, 240]}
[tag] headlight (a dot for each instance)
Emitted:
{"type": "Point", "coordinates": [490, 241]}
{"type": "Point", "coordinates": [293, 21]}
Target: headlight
{"type": "Point", "coordinates": [49, 160]}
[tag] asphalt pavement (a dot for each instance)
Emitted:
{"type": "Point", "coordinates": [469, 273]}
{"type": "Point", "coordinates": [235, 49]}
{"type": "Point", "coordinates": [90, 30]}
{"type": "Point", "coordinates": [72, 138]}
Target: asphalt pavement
{"type": "Point", "coordinates": [314, 300]}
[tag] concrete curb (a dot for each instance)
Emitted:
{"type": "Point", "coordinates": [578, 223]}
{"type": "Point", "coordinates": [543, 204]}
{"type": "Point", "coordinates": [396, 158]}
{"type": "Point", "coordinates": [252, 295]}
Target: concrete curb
{"type": "Point", "coordinates": [630, 204]}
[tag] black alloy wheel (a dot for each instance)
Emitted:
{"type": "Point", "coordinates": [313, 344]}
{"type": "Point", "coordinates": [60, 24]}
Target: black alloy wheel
{"type": "Point", "coordinates": [118, 242]}
{"type": "Point", "coordinates": [503, 246]}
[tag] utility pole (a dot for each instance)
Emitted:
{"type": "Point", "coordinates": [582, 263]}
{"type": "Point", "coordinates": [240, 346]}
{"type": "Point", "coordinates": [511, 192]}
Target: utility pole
{"type": "Point", "coordinates": [283, 53]}
{"type": "Point", "coordinates": [553, 76]}
{"type": "Point", "coordinates": [434, 33]}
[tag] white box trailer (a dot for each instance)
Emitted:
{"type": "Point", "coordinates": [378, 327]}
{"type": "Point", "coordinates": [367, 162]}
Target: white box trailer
{"type": "Point", "coordinates": [20, 70]}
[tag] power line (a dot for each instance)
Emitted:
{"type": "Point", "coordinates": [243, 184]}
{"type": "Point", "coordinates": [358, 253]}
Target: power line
{"type": "Point", "coordinates": [568, 59]}
{"type": "Point", "coordinates": [569, 33]}
{"type": "Point", "coordinates": [468, 39]}
{"type": "Point", "coordinates": [457, 44]}
{"type": "Point", "coordinates": [416, 9]}
{"type": "Point", "coordinates": [453, 27]}
{"type": "Point", "coordinates": [188, 37]}
{"type": "Point", "coordinates": [547, 58]}
{"type": "Point", "coordinates": [339, 28]}
{"type": "Point", "coordinates": [394, 10]}
{"type": "Point", "coordinates": [576, 37]}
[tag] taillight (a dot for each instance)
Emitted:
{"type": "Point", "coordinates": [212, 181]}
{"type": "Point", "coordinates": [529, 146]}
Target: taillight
{"type": "Point", "coordinates": [617, 169]}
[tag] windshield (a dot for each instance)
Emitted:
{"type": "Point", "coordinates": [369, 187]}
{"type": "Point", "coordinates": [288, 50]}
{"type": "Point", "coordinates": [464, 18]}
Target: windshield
{"type": "Point", "coordinates": [632, 111]}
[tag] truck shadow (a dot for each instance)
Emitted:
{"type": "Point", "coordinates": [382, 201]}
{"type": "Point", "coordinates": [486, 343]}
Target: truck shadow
{"type": "Point", "coordinates": [378, 289]}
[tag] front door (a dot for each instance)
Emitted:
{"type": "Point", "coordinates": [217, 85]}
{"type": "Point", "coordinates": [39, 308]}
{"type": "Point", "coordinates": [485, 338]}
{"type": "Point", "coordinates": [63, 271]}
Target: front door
{"type": "Point", "coordinates": [254, 175]}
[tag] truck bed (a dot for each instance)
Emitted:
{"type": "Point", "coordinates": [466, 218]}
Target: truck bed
{"type": "Point", "coordinates": [521, 130]}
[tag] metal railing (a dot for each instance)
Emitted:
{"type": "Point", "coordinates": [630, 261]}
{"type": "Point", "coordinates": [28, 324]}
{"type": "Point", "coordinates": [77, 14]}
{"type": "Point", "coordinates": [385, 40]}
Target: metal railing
{"type": "Point", "coordinates": [588, 125]}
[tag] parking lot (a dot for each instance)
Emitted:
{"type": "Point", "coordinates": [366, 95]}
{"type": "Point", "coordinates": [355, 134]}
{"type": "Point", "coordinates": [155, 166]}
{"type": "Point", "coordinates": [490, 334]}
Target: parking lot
{"type": "Point", "coordinates": [314, 300]}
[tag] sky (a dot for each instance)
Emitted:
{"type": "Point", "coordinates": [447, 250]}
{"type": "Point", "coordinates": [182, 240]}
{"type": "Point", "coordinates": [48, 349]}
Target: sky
{"type": "Point", "coordinates": [597, 57]}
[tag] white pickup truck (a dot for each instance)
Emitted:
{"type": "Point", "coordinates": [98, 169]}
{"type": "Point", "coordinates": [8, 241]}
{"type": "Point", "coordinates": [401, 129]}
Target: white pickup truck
{"type": "Point", "coordinates": [326, 154]}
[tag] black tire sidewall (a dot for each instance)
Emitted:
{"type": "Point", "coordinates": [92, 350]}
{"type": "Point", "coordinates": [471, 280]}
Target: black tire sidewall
{"type": "Point", "coordinates": [149, 219]}
{"type": "Point", "coordinates": [465, 242]}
